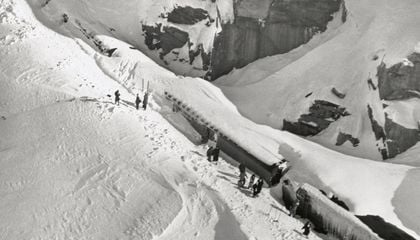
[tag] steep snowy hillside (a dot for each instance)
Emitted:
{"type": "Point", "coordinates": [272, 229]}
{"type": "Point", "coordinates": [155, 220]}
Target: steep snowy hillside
{"type": "Point", "coordinates": [354, 88]}
{"type": "Point", "coordinates": [73, 160]}
{"type": "Point", "coordinates": [76, 166]}
{"type": "Point", "coordinates": [352, 99]}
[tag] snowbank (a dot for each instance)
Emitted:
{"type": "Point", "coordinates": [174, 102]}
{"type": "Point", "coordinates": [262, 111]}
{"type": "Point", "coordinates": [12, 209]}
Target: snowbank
{"type": "Point", "coordinates": [330, 217]}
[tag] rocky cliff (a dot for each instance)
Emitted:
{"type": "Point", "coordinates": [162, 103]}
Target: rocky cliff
{"type": "Point", "coordinates": [267, 28]}
{"type": "Point", "coordinates": [258, 29]}
{"type": "Point", "coordinates": [399, 82]}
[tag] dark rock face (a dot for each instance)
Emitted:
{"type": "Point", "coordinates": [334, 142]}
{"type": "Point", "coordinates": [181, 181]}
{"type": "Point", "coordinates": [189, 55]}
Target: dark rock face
{"type": "Point", "coordinates": [379, 133]}
{"type": "Point", "coordinates": [321, 115]}
{"type": "Point", "coordinates": [401, 81]}
{"type": "Point", "coordinates": [187, 15]}
{"type": "Point", "coordinates": [395, 138]}
{"type": "Point", "coordinates": [344, 137]}
{"type": "Point", "coordinates": [167, 39]}
{"type": "Point", "coordinates": [261, 28]}
{"type": "Point", "coordinates": [400, 138]}
{"type": "Point", "coordinates": [384, 229]}
{"type": "Point", "coordinates": [287, 25]}
{"type": "Point", "coordinates": [398, 82]}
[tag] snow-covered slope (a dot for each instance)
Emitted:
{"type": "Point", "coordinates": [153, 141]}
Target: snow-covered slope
{"type": "Point", "coordinates": [75, 166]}
{"type": "Point", "coordinates": [141, 16]}
{"type": "Point", "coordinates": [108, 161]}
{"type": "Point", "coordinates": [367, 66]}
{"type": "Point", "coordinates": [347, 100]}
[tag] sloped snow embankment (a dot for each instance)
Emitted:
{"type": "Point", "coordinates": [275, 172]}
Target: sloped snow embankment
{"type": "Point", "coordinates": [86, 168]}
{"type": "Point", "coordinates": [367, 186]}
{"type": "Point", "coordinates": [74, 165]}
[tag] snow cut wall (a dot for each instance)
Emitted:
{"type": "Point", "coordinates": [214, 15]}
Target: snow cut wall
{"type": "Point", "coordinates": [330, 217]}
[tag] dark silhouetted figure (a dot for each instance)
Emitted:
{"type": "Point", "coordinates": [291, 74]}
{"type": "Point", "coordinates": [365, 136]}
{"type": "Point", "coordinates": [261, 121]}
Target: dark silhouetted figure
{"type": "Point", "coordinates": [216, 153]}
{"type": "Point", "coordinates": [65, 18]}
{"type": "Point", "coordinates": [260, 185]}
{"type": "Point", "coordinates": [209, 153]}
{"type": "Point", "coordinates": [254, 189]}
{"type": "Point", "coordinates": [145, 100]}
{"type": "Point", "coordinates": [242, 179]}
{"type": "Point", "coordinates": [251, 181]}
{"type": "Point", "coordinates": [306, 228]}
{"type": "Point", "coordinates": [117, 97]}
{"type": "Point", "coordinates": [138, 101]}
{"type": "Point", "coordinates": [242, 168]}
{"type": "Point", "coordinates": [257, 187]}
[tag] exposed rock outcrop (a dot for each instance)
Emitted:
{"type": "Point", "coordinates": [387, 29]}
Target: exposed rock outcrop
{"type": "Point", "coordinates": [395, 138]}
{"type": "Point", "coordinates": [400, 81]}
{"type": "Point", "coordinates": [166, 38]}
{"type": "Point", "coordinates": [187, 15]}
{"type": "Point", "coordinates": [344, 137]}
{"type": "Point", "coordinates": [321, 114]}
{"type": "Point", "coordinates": [399, 138]}
{"type": "Point", "coordinates": [275, 27]}
{"type": "Point", "coordinates": [260, 28]}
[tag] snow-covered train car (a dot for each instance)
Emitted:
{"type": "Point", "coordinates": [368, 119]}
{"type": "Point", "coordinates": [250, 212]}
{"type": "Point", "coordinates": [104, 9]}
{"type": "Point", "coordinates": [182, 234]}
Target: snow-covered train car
{"type": "Point", "coordinates": [270, 173]}
{"type": "Point", "coordinates": [268, 170]}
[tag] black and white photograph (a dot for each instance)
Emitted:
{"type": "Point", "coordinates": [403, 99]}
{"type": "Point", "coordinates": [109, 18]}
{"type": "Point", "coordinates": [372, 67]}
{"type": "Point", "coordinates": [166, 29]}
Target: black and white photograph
{"type": "Point", "coordinates": [209, 119]}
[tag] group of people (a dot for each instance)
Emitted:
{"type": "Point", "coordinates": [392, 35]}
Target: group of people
{"type": "Point", "coordinates": [137, 101]}
{"type": "Point", "coordinates": [255, 186]}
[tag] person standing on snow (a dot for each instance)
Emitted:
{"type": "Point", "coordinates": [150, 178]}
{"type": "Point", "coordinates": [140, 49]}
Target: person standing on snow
{"type": "Point", "coordinates": [117, 97]}
{"type": "Point", "coordinates": [209, 153]}
{"type": "Point", "coordinates": [251, 181]}
{"type": "Point", "coordinates": [145, 100]}
{"type": "Point", "coordinates": [242, 179]}
{"type": "Point", "coordinates": [260, 184]}
{"type": "Point", "coordinates": [242, 168]}
{"type": "Point", "coordinates": [306, 228]}
{"type": "Point", "coordinates": [212, 141]}
{"type": "Point", "coordinates": [138, 101]}
{"type": "Point", "coordinates": [255, 189]}
{"type": "Point", "coordinates": [216, 152]}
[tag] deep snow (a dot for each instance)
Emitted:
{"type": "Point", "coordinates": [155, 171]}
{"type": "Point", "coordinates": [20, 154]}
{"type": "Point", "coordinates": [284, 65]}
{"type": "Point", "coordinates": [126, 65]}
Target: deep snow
{"type": "Point", "coordinates": [75, 166]}
{"type": "Point", "coordinates": [62, 155]}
